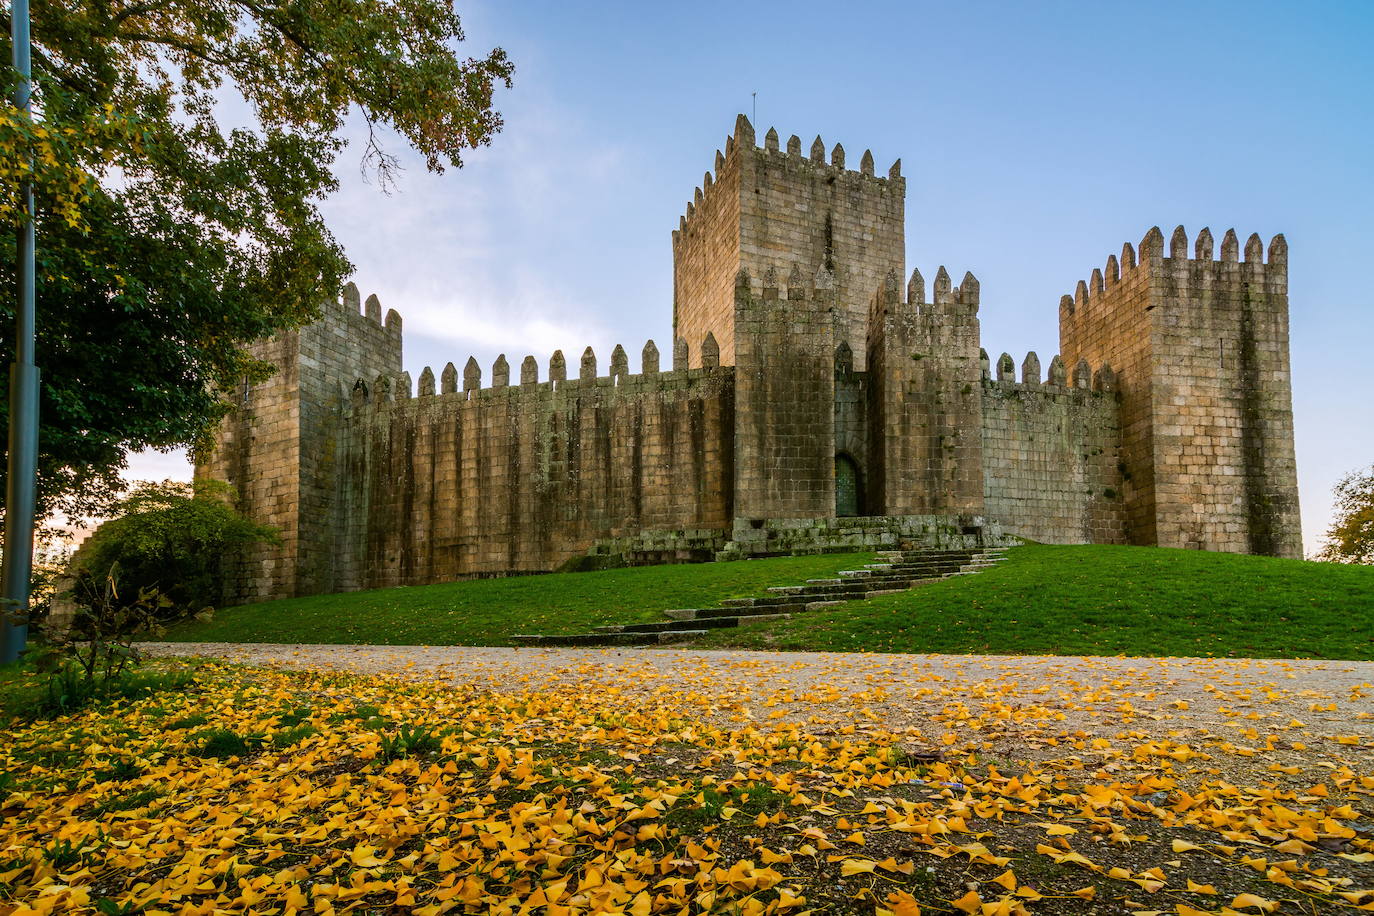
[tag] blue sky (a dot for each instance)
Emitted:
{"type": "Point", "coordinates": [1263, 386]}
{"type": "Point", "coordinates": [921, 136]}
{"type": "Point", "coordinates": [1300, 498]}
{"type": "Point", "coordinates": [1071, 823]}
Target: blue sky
{"type": "Point", "coordinates": [1035, 139]}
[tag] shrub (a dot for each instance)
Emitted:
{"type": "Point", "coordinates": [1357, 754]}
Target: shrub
{"type": "Point", "coordinates": [173, 537]}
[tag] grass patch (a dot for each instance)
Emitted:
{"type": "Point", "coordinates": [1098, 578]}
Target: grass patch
{"type": "Point", "coordinates": [408, 742]}
{"type": "Point", "coordinates": [1104, 600]}
{"type": "Point", "coordinates": [225, 742]}
{"type": "Point", "coordinates": [26, 693]}
{"type": "Point", "coordinates": [487, 612]}
{"type": "Point", "coordinates": [292, 736]}
{"type": "Point", "coordinates": [129, 801]}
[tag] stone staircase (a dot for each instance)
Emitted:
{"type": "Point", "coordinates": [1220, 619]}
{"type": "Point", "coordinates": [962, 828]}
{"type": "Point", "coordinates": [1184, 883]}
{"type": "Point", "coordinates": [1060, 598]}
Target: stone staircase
{"type": "Point", "coordinates": [896, 571]}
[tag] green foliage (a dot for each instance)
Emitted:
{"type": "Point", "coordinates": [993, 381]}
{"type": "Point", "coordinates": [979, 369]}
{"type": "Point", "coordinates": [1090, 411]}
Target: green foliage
{"type": "Point", "coordinates": [64, 854]}
{"type": "Point", "coordinates": [192, 721]}
{"type": "Point", "coordinates": [173, 537]}
{"type": "Point", "coordinates": [1350, 539]}
{"type": "Point", "coordinates": [130, 801]}
{"type": "Point", "coordinates": [167, 241]}
{"type": "Point", "coordinates": [95, 660]}
{"type": "Point", "coordinates": [487, 612]}
{"type": "Point", "coordinates": [1102, 600]}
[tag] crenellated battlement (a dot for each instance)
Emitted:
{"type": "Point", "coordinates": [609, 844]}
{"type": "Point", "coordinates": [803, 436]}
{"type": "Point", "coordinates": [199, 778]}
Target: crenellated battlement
{"type": "Point", "coordinates": [1002, 375]}
{"type": "Point", "coordinates": [944, 298]}
{"type": "Point", "coordinates": [389, 388]}
{"type": "Point", "coordinates": [1273, 271]}
{"type": "Point", "coordinates": [350, 304]}
{"type": "Point", "coordinates": [742, 142]}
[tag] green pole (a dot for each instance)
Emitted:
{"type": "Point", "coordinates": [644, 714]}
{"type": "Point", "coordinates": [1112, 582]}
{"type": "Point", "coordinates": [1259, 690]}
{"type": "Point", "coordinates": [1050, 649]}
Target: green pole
{"type": "Point", "coordinates": [20, 495]}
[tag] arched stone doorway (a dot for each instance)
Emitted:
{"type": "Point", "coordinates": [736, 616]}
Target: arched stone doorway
{"type": "Point", "coordinates": [848, 487]}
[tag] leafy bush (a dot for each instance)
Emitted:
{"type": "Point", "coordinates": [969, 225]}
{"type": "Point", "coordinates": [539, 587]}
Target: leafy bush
{"type": "Point", "coordinates": [173, 537]}
{"type": "Point", "coordinates": [97, 649]}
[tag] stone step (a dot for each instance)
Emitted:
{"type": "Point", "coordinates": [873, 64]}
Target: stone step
{"type": "Point", "coordinates": [667, 625]}
{"type": "Point", "coordinates": [586, 639]}
{"type": "Point", "coordinates": [679, 636]}
{"type": "Point", "coordinates": [791, 607]}
{"type": "Point", "coordinates": [696, 626]}
{"type": "Point", "coordinates": [880, 592]}
{"type": "Point", "coordinates": [900, 571]}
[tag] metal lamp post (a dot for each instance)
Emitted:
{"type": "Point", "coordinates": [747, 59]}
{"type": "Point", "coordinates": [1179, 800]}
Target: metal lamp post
{"type": "Point", "coordinates": [20, 496]}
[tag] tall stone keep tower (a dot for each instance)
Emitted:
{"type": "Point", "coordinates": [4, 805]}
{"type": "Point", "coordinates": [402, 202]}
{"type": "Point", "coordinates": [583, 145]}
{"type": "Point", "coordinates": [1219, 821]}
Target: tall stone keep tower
{"type": "Point", "coordinates": [1200, 347]}
{"type": "Point", "coordinates": [768, 209]}
{"type": "Point", "coordinates": [278, 447]}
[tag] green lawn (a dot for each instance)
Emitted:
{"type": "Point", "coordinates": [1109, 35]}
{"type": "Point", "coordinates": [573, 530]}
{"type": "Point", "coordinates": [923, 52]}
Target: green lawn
{"type": "Point", "coordinates": [1089, 600]}
{"type": "Point", "coordinates": [486, 612]}
{"type": "Point", "coordinates": [1095, 600]}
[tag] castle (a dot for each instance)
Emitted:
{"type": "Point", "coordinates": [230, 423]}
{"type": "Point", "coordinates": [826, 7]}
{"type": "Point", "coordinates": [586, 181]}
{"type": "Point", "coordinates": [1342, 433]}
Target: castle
{"type": "Point", "coordinates": [813, 402]}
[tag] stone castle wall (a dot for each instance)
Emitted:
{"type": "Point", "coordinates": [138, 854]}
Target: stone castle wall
{"type": "Point", "coordinates": [257, 451]}
{"type": "Point", "coordinates": [706, 257]}
{"type": "Point", "coordinates": [278, 448]}
{"type": "Point", "coordinates": [784, 397]}
{"type": "Point", "coordinates": [1052, 453]}
{"type": "Point", "coordinates": [350, 345]}
{"type": "Point", "coordinates": [925, 441]}
{"type": "Point", "coordinates": [513, 478]}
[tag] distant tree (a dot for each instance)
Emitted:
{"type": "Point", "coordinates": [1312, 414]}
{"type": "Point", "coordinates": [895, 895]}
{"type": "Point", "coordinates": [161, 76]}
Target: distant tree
{"type": "Point", "coordinates": [167, 241]}
{"type": "Point", "coordinates": [1350, 539]}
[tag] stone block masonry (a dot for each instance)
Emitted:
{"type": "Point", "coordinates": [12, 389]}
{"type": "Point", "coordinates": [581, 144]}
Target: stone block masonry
{"type": "Point", "coordinates": [925, 408]}
{"type": "Point", "coordinates": [811, 404]}
{"type": "Point", "coordinates": [278, 446]}
{"type": "Point", "coordinates": [1052, 454]}
{"type": "Point", "coordinates": [785, 396]}
{"type": "Point", "coordinates": [517, 479]}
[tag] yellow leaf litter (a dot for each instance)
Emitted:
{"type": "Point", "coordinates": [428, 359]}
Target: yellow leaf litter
{"type": "Point", "coordinates": [622, 795]}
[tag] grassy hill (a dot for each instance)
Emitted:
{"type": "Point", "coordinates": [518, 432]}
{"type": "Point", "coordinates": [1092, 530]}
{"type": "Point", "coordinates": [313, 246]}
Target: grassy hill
{"type": "Point", "coordinates": [1090, 600]}
{"type": "Point", "coordinates": [486, 612]}
{"type": "Point", "coordinates": [1101, 600]}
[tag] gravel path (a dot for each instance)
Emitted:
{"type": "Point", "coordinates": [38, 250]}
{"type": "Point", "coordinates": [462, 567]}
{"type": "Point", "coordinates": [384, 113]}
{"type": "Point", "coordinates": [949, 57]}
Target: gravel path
{"type": "Point", "coordinates": [1319, 710]}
